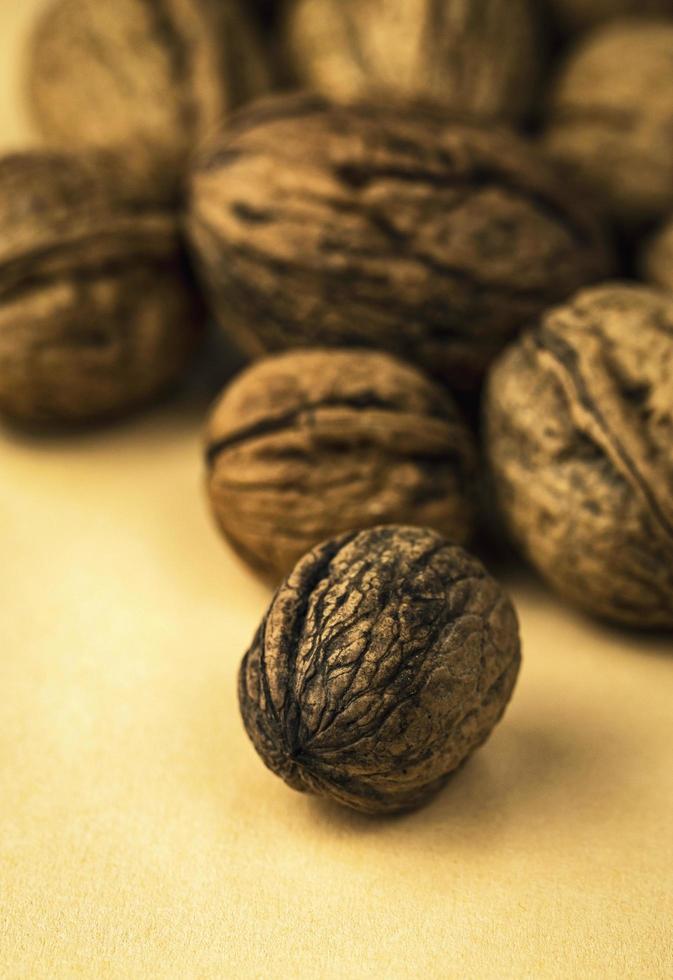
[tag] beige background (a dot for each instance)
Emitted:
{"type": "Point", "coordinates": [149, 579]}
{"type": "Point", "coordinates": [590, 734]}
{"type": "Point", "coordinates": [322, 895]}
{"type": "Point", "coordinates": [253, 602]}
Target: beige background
{"type": "Point", "coordinates": [141, 837]}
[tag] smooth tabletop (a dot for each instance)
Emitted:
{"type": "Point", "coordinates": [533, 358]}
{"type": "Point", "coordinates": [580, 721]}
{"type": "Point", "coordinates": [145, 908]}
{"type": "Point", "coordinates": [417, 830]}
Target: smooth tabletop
{"type": "Point", "coordinates": [140, 836]}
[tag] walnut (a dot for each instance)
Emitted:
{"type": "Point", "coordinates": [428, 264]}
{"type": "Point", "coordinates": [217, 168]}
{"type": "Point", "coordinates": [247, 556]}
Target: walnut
{"type": "Point", "coordinates": [578, 15]}
{"type": "Point", "coordinates": [308, 444]}
{"type": "Point", "coordinates": [479, 56]}
{"type": "Point", "coordinates": [657, 258]}
{"type": "Point", "coordinates": [610, 119]}
{"type": "Point", "coordinates": [384, 661]}
{"type": "Point", "coordinates": [151, 76]}
{"type": "Point", "coordinates": [580, 439]}
{"type": "Point", "coordinates": [386, 227]}
{"type": "Point", "coordinates": [97, 313]}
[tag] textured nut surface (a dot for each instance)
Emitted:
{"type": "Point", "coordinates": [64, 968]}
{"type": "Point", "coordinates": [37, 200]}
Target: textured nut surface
{"type": "Point", "coordinates": [580, 440]}
{"type": "Point", "coordinates": [657, 258]}
{"type": "Point", "coordinates": [384, 661]}
{"type": "Point", "coordinates": [153, 75]}
{"type": "Point", "coordinates": [391, 228]}
{"type": "Point", "coordinates": [307, 444]}
{"type": "Point", "coordinates": [610, 119]}
{"type": "Point", "coordinates": [479, 56]}
{"type": "Point", "coordinates": [580, 14]}
{"type": "Point", "coordinates": [97, 314]}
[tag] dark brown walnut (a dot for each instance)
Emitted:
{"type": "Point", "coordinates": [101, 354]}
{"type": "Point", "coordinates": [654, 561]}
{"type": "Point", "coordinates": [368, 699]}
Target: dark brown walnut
{"type": "Point", "coordinates": [479, 56]}
{"type": "Point", "coordinates": [657, 258]}
{"type": "Point", "coordinates": [580, 439]}
{"type": "Point", "coordinates": [582, 14]}
{"type": "Point", "coordinates": [385, 227]}
{"type": "Point", "coordinates": [97, 313]}
{"type": "Point", "coordinates": [610, 119]}
{"type": "Point", "coordinates": [307, 444]}
{"type": "Point", "coordinates": [150, 75]}
{"type": "Point", "coordinates": [383, 662]}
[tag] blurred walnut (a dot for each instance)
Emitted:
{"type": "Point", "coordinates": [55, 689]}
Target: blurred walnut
{"type": "Point", "coordinates": [580, 14]}
{"type": "Point", "coordinates": [580, 439]}
{"type": "Point", "coordinates": [479, 56]}
{"type": "Point", "coordinates": [308, 444]}
{"type": "Point", "coordinates": [391, 228]}
{"type": "Point", "coordinates": [610, 121]}
{"type": "Point", "coordinates": [383, 662]}
{"type": "Point", "coordinates": [151, 76]}
{"type": "Point", "coordinates": [657, 258]}
{"type": "Point", "coordinates": [97, 314]}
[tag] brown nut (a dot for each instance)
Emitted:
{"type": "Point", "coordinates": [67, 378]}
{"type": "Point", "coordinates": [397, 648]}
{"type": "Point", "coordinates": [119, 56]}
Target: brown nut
{"type": "Point", "coordinates": [478, 56]}
{"type": "Point", "coordinates": [610, 119]}
{"type": "Point", "coordinates": [391, 228]}
{"type": "Point", "coordinates": [97, 313]}
{"type": "Point", "coordinates": [384, 661]}
{"type": "Point", "coordinates": [580, 440]}
{"type": "Point", "coordinates": [308, 444]}
{"type": "Point", "coordinates": [152, 76]}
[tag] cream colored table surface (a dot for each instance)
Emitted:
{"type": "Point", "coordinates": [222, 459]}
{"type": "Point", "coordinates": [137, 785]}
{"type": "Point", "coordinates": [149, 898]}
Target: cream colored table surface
{"type": "Point", "coordinates": [141, 837]}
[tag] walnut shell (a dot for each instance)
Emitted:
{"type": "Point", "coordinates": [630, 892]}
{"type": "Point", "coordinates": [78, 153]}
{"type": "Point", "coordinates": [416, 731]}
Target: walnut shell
{"type": "Point", "coordinates": [579, 424]}
{"type": "Point", "coordinates": [97, 314]}
{"type": "Point", "coordinates": [384, 661]}
{"type": "Point", "coordinates": [610, 119]}
{"type": "Point", "coordinates": [657, 258]}
{"type": "Point", "coordinates": [308, 444]}
{"type": "Point", "coordinates": [152, 76]}
{"type": "Point", "coordinates": [578, 15]}
{"type": "Point", "coordinates": [478, 56]}
{"type": "Point", "coordinates": [392, 228]}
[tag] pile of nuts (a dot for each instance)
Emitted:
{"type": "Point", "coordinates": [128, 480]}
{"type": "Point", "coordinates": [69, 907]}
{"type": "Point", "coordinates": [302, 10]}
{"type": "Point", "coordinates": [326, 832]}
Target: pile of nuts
{"type": "Point", "coordinates": [446, 205]}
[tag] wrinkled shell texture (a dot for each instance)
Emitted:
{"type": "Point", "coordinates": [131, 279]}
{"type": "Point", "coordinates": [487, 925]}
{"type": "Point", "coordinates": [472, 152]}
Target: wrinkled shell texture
{"type": "Point", "coordinates": [580, 440]}
{"type": "Point", "coordinates": [384, 661]}
{"type": "Point", "coordinates": [391, 228]}
{"type": "Point", "coordinates": [96, 313]}
{"type": "Point", "coordinates": [657, 262]}
{"type": "Point", "coordinates": [308, 444]}
{"type": "Point", "coordinates": [580, 14]}
{"type": "Point", "coordinates": [154, 75]}
{"type": "Point", "coordinates": [610, 120]}
{"type": "Point", "coordinates": [475, 55]}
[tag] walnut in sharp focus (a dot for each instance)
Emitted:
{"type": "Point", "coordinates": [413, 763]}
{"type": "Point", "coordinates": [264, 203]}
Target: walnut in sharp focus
{"type": "Point", "coordinates": [386, 227]}
{"type": "Point", "coordinates": [307, 444]}
{"type": "Point", "coordinates": [151, 75]}
{"type": "Point", "coordinates": [579, 15]}
{"type": "Point", "coordinates": [479, 56]}
{"type": "Point", "coordinates": [580, 440]}
{"type": "Point", "coordinates": [657, 258]}
{"type": "Point", "coordinates": [384, 661]}
{"type": "Point", "coordinates": [97, 312]}
{"type": "Point", "coordinates": [610, 119]}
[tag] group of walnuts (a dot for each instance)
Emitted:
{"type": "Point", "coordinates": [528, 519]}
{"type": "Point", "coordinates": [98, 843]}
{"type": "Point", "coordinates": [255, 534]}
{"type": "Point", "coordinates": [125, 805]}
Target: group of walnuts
{"type": "Point", "coordinates": [388, 250]}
